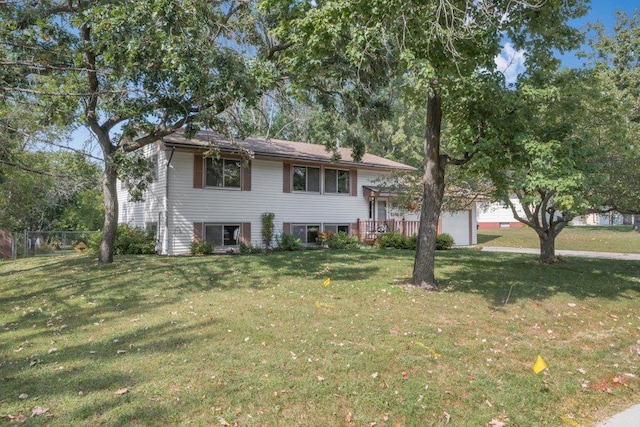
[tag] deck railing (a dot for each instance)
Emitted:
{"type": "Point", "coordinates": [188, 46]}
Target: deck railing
{"type": "Point", "coordinates": [368, 230]}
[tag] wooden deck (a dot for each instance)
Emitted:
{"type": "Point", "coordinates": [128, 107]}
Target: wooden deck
{"type": "Point", "coordinates": [368, 231]}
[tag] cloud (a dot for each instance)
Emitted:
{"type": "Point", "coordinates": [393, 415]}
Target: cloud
{"type": "Point", "coordinates": [510, 62]}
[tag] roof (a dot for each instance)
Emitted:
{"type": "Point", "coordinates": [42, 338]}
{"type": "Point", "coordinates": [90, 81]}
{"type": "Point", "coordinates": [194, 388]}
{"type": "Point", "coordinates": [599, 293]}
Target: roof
{"type": "Point", "coordinates": [276, 148]}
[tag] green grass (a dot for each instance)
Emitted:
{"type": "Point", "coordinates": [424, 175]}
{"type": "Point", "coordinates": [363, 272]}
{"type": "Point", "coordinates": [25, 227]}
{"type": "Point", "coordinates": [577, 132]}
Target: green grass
{"type": "Point", "coordinates": [585, 238]}
{"type": "Point", "coordinates": [258, 340]}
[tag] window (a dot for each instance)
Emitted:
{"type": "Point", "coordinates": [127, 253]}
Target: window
{"type": "Point", "coordinates": [222, 234]}
{"type": "Point", "coordinates": [336, 181]}
{"type": "Point", "coordinates": [222, 173]}
{"type": "Point", "coordinates": [152, 229]}
{"type": "Point", "coordinates": [336, 228]}
{"type": "Point", "coordinates": [306, 179]}
{"type": "Point", "coordinates": [307, 233]}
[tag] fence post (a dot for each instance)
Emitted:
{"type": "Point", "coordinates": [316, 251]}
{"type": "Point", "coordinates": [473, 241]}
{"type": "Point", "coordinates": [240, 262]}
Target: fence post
{"type": "Point", "coordinates": [25, 244]}
{"type": "Point", "coordinates": [14, 246]}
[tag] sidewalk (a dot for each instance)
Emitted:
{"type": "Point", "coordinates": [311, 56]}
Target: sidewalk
{"type": "Point", "coordinates": [584, 254]}
{"type": "Point", "coordinates": [628, 418]}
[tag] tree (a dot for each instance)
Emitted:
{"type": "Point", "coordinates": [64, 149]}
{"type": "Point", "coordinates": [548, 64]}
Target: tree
{"type": "Point", "coordinates": [131, 71]}
{"type": "Point", "coordinates": [546, 150]}
{"type": "Point", "coordinates": [345, 52]}
{"type": "Point", "coordinates": [615, 60]}
{"type": "Point", "coordinates": [40, 189]}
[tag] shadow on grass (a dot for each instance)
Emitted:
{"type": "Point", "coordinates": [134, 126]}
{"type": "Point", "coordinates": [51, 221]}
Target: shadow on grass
{"type": "Point", "coordinates": [486, 238]}
{"type": "Point", "coordinates": [510, 278]}
{"type": "Point", "coordinates": [94, 370]}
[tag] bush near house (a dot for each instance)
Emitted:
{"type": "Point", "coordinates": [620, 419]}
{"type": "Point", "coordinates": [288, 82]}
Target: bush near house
{"type": "Point", "coordinates": [288, 242]}
{"type": "Point", "coordinates": [341, 240]}
{"type": "Point", "coordinates": [129, 241]}
{"type": "Point", "coordinates": [200, 247]}
{"type": "Point", "coordinates": [400, 241]}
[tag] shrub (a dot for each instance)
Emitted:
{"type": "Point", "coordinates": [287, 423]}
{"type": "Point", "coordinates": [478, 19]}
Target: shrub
{"type": "Point", "coordinates": [341, 240]}
{"type": "Point", "coordinates": [412, 242]}
{"type": "Point", "coordinates": [200, 247]}
{"type": "Point", "coordinates": [267, 229]}
{"type": "Point", "coordinates": [248, 249]}
{"type": "Point", "coordinates": [45, 249]}
{"type": "Point", "coordinates": [129, 241]}
{"type": "Point", "coordinates": [399, 241]}
{"type": "Point", "coordinates": [288, 242]}
{"type": "Point", "coordinates": [444, 241]}
{"type": "Point", "coordinates": [392, 240]}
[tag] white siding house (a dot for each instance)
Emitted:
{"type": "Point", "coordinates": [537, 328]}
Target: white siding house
{"type": "Point", "coordinates": [497, 215]}
{"type": "Point", "coordinates": [219, 196]}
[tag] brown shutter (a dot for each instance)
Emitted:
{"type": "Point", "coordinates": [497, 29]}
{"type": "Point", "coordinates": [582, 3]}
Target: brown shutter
{"type": "Point", "coordinates": [286, 177]}
{"type": "Point", "coordinates": [286, 228]}
{"type": "Point", "coordinates": [198, 164]}
{"type": "Point", "coordinates": [245, 236]}
{"type": "Point", "coordinates": [246, 176]}
{"type": "Point", "coordinates": [353, 181]}
{"type": "Point", "coordinates": [197, 231]}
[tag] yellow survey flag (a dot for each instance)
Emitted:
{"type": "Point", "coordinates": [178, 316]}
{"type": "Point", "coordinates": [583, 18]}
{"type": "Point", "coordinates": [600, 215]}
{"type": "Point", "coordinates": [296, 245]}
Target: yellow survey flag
{"type": "Point", "coordinates": [327, 282]}
{"type": "Point", "coordinates": [540, 365]}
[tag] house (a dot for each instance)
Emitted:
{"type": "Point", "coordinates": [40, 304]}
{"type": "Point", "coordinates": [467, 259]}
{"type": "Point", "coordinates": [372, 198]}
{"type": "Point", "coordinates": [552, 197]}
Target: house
{"type": "Point", "coordinates": [213, 189]}
{"type": "Point", "coordinates": [497, 215]}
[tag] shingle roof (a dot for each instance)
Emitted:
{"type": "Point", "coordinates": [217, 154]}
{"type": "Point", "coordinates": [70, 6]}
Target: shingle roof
{"type": "Point", "coordinates": [277, 148]}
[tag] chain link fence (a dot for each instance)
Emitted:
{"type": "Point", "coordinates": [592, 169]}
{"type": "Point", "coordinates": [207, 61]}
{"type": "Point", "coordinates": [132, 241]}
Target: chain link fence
{"type": "Point", "coordinates": [42, 243]}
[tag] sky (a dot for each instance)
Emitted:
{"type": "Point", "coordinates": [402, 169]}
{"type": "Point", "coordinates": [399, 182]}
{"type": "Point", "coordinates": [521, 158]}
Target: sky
{"type": "Point", "coordinates": [510, 61]}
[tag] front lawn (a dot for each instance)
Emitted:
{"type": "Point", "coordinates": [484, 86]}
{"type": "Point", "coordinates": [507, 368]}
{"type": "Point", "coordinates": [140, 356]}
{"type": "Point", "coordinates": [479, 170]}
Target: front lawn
{"type": "Point", "coordinates": [621, 239]}
{"type": "Point", "coordinates": [260, 340]}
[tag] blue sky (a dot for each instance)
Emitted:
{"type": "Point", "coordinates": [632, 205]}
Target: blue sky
{"type": "Point", "coordinates": [602, 12]}
{"type": "Point", "coordinates": [512, 62]}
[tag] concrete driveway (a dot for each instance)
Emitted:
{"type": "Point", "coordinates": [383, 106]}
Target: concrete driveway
{"type": "Point", "coordinates": [584, 254]}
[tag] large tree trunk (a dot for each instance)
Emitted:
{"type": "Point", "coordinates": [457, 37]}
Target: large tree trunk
{"type": "Point", "coordinates": [548, 247]}
{"type": "Point", "coordinates": [109, 185]}
{"type": "Point", "coordinates": [433, 192]}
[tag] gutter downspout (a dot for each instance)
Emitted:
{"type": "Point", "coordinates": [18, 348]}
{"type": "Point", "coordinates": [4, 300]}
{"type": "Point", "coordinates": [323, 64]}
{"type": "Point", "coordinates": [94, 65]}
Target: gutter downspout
{"type": "Point", "coordinates": [165, 234]}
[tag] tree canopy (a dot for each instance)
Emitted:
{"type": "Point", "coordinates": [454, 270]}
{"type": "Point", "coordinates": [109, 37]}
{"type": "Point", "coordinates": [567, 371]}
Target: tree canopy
{"type": "Point", "coordinates": [132, 72]}
{"type": "Point", "coordinates": [344, 54]}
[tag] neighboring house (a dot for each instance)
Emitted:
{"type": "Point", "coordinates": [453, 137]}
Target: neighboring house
{"type": "Point", "coordinates": [609, 218]}
{"type": "Point", "coordinates": [496, 215]}
{"type": "Point", "coordinates": [206, 190]}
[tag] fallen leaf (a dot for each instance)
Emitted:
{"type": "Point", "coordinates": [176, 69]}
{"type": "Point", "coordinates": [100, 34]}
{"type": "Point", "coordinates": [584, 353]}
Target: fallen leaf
{"type": "Point", "coordinates": [571, 304]}
{"type": "Point", "coordinates": [121, 351]}
{"type": "Point", "coordinates": [121, 391]}
{"type": "Point", "coordinates": [489, 404]}
{"type": "Point", "coordinates": [347, 418]}
{"type": "Point", "coordinates": [568, 419]}
{"type": "Point", "coordinates": [20, 418]}
{"type": "Point", "coordinates": [447, 416]}
{"type": "Point", "coordinates": [223, 422]}
{"type": "Point", "coordinates": [374, 375]}
{"type": "Point", "coordinates": [405, 376]}
{"type": "Point", "coordinates": [496, 423]}
{"type": "Point", "coordinates": [52, 350]}
{"type": "Point", "coordinates": [38, 410]}
{"type": "Point", "coordinates": [23, 396]}
{"type": "Point", "coordinates": [320, 378]}
{"type": "Point", "coordinates": [582, 371]}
